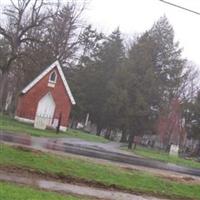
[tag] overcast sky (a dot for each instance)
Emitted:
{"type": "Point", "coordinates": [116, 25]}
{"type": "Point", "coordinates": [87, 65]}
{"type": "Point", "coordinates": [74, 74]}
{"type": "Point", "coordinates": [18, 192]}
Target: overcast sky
{"type": "Point", "coordinates": [136, 16]}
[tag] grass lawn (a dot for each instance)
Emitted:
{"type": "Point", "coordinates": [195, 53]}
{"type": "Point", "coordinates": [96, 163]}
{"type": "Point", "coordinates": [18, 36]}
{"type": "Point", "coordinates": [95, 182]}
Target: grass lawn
{"type": "Point", "coordinates": [163, 156]}
{"type": "Point", "coordinates": [12, 125]}
{"type": "Point", "coordinates": [10, 191]}
{"type": "Point", "coordinates": [107, 175]}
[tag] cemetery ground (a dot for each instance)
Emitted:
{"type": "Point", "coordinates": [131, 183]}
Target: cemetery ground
{"type": "Point", "coordinates": [13, 126]}
{"type": "Point", "coordinates": [65, 168]}
{"type": "Point", "coordinates": [83, 171]}
{"type": "Point", "coordinates": [163, 156]}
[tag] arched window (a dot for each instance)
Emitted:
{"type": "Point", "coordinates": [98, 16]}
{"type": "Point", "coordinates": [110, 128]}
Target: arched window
{"type": "Point", "coordinates": [53, 77]}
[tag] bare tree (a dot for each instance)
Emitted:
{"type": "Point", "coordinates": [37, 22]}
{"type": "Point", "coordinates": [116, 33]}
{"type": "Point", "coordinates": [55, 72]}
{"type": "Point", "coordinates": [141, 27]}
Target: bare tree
{"type": "Point", "coordinates": [60, 35]}
{"type": "Point", "coordinates": [190, 82]}
{"type": "Point", "coordinates": [20, 17]}
{"type": "Point", "coordinates": [63, 30]}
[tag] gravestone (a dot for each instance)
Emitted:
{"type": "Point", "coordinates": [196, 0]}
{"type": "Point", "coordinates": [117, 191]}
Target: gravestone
{"type": "Point", "coordinates": [174, 150]}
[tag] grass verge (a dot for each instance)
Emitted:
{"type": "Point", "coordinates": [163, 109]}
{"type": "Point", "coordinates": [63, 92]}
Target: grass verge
{"type": "Point", "coordinates": [10, 191]}
{"type": "Point", "coordinates": [164, 157]}
{"type": "Point", "coordinates": [14, 126]}
{"type": "Point", "coordinates": [107, 175]}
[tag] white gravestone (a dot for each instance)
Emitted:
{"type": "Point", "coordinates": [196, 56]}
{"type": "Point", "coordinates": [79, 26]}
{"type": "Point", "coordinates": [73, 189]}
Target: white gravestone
{"type": "Point", "coordinates": [174, 150]}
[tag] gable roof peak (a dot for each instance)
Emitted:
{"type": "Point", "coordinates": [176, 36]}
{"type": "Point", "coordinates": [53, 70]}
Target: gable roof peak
{"type": "Point", "coordinates": [56, 64]}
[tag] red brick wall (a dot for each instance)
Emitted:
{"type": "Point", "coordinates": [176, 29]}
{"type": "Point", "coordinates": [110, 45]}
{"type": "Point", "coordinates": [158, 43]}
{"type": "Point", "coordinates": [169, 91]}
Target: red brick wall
{"type": "Point", "coordinates": [27, 103]}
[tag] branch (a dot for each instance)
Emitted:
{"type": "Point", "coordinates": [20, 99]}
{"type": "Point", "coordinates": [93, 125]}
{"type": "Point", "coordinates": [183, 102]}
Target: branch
{"type": "Point", "coordinates": [5, 34]}
{"type": "Point", "coordinates": [9, 62]}
{"type": "Point", "coordinates": [29, 39]}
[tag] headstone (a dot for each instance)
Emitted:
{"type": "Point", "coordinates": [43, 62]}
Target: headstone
{"type": "Point", "coordinates": [174, 150]}
{"type": "Point", "coordinates": [79, 125]}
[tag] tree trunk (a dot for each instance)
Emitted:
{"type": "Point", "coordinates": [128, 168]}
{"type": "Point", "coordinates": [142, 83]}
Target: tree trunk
{"type": "Point", "coordinates": [107, 135]}
{"type": "Point", "coordinates": [99, 129]}
{"type": "Point", "coordinates": [124, 136]}
{"type": "Point", "coordinates": [73, 124]}
{"type": "Point", "coordinates": [59, 123]}
{"type": "Point", "coordinates": [130, 141]}
{"type": "Point", "coordinates": [2, 90]}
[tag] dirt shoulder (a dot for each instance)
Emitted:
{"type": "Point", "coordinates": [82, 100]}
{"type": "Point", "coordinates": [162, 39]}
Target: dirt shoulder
{"type": "Point", "coordinates": [66, 185]}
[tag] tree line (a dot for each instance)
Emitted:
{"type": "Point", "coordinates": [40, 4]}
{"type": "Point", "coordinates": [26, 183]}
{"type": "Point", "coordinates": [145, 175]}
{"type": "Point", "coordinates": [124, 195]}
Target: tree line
{"type": "Point", "coordinates": [127, 88]}
{"type": "Point", "coordinates": [122, 86]}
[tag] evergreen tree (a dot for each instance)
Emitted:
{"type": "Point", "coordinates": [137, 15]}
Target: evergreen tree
{"type": "Point", "coordinates": [142, 86]}
{"type": "Point", "coordinates": [111, 58]}
{"type": "Point", "coordinates": [168, 61]}
{"type": "Point", "coordinates": [102, 56]}
{"type": "Point", "coordinates": [84, 78]}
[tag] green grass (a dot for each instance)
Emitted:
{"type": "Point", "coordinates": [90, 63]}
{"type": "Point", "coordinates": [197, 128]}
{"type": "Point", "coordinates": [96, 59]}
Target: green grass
{"type": "Point", "coordinates": [10, 191]}
{"type": "Point", "coordinates": [105, 174]}
{"type": "Point", "coordinates": [85, 136]}
{"type": "Point", "coordinates": [13, 126]}
{"type": "Point", "coordinates": [163, 156]}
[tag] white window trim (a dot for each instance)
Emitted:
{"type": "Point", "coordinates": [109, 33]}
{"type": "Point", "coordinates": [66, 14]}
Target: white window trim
{"type": "Point", "coordinates": [50, 81]}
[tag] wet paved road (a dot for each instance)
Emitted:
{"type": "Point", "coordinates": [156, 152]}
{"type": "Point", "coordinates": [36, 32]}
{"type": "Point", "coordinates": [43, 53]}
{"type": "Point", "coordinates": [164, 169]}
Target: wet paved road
{"type": "Point", "coordinates": [129, 159]}
{"type": "Point", "coordinates": [107, 151]}
{"type": "Point", "coordinates": [73, 189]}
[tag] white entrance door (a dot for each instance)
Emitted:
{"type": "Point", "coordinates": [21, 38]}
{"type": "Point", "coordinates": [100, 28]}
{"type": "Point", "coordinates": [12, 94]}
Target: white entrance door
{"type": "Point", "coordinates": [45, 112]}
